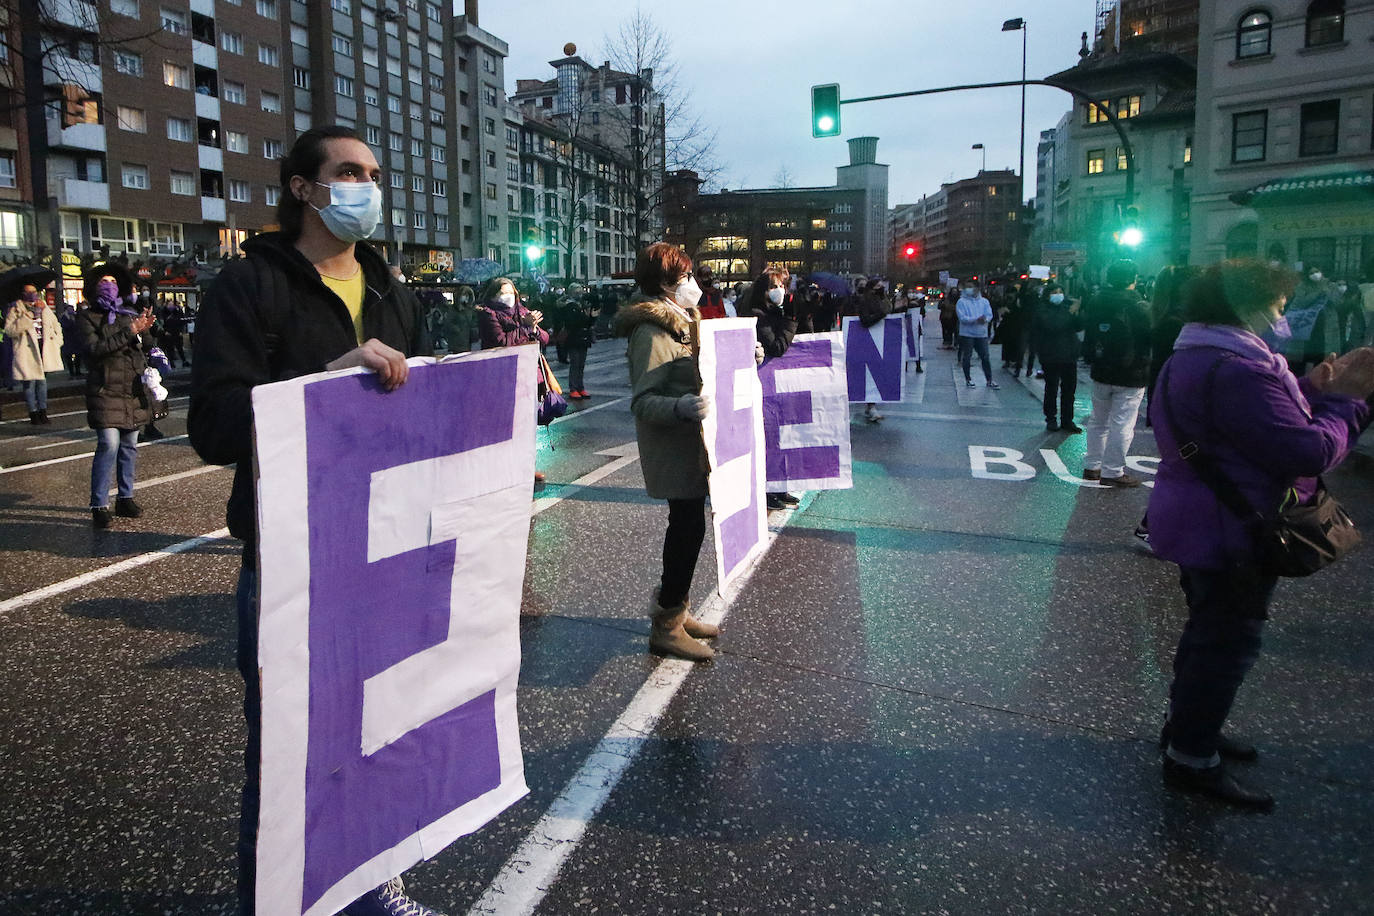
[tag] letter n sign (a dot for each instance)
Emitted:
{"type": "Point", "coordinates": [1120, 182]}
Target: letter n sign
{"type": "Point", "coordinates": [874, 360]}
{"type": "Point", "coordinates": [392, 534]}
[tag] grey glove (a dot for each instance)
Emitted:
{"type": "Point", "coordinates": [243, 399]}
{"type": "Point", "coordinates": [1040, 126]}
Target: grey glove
{"type": "Point", "coordinates": [692, 408]}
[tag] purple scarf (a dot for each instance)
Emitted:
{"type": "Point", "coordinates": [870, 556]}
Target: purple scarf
{"type": "Point", "coordinates": [1244, 344]}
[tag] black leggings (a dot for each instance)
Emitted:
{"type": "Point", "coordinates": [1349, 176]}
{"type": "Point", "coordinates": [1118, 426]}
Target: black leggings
{"type": "Point", "coordinates": [681, 547]}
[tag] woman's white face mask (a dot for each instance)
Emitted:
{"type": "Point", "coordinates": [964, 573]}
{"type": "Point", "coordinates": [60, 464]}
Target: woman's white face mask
{"type": "Point", "coordinates": [687, 293]}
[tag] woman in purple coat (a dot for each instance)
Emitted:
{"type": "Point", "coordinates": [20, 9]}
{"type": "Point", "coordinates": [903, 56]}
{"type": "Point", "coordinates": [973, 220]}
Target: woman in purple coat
{"type": "Point", "coordinates": [504, 321]}
{"type": "Point", "coordinates": [1225, 391]}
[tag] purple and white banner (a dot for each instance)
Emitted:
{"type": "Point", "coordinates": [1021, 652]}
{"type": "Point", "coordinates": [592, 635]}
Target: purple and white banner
{"type": "Point", "coordinates": [806, 416]}
{"type": "Point", "coordinates": [915, 333]}
{"type": "Point", "coordinates": [734, 443]}
{"type": "Point", "coordinates": [874, 358]}
{"type": "Point", "coordinates": [392, 535]}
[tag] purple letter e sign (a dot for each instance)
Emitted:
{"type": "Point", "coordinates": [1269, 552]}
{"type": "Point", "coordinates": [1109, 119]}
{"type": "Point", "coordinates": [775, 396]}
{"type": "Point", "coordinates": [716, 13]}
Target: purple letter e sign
{"type": "Point", "coordinates": [734, 443]}
{"type": "Point", "coordinates": [392, 532]}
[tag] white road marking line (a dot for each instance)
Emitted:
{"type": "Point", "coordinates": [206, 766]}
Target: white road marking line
{"type": "Point", "coordinates": [76, 413]}
{"type": "Point", "coordinates": [625, 455]}
{"type": "Point", "coordinates": [573, 414]}
{"type": "Point", "coordinates": [194, 472]}
{"type": "Point", "coordinates": [105, 572]}
{"type": "Point", "coordinates": [532, 869]}
{"type": "Point", "coordinates": [45, 463]}
{"type": "Point", "coordinates": [86, 437]}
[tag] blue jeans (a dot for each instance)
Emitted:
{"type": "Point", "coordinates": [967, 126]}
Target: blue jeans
{"type": "Point", "coordinates": [1219, 645]}
{"type": "Point", "coordinates": [36, 394]}
{"type": "Point", "coordinates": [966, 347]}
{"type": "Point", "coordinates": [113, 446]}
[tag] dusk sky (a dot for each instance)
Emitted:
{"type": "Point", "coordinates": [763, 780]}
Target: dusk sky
{"type": "Point", "coordinates": [749, 65]}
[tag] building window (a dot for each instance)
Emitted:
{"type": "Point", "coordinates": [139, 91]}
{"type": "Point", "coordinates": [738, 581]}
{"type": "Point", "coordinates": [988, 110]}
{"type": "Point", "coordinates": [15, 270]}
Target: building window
{"type": "Point", "coordinates": [128, 63]}
{"type": "Point", "coordinates": [417, 184]}
{"type": "Point", "coordinates": [125, 8]}
{"type": "Point", "coordinates": [1097, 161]}
{"type": "Point", "coordinates": [1120, 159]}
{"type": "Point", "coordinates": [342, 44]}
{"type": "Point", "coordinates": [1248, 130]}
{"type": "Point", "coordinates": [393, 104]}
{"type": "Point", "coordinates": [369, 56]}
{"type": "Point", "coordinates": [267, 54]}
{"type": "Point", "coordinates": [1252, 35]}
{"type": "Point", "coordinates": [417, 148]}
{"type": "Point", "coordinates": [1188, 151]}
{"type": "Point", "coordinates": [398, 181]}
{"type": "Point", "coordinates": [231, 42]}
{"type": "Point", "coordinates": [492, 224]}
{"type": "Point", "coordinates": [1320, 127]}
{"type": "Point", "coordinates": [176, 76]}
{"type": "Point", "coordinates": [184, 183]}
{"type": "Point", "coordinates": [300, 76]}
{"type": "Point", "coordinates": [272, 195]}
{"type": "Point", "coordinates": [173, 21]}
{"type": "Point", "coordinates": [512, 171]}
{"type": "Point", "coordinates": [374, 136]}
{"type": "Point", "coordinates": [7, 174]}
{"type": "Point", "coordinates": [370, 96]}
{"type": "Point", "coordinates": [343, 86]}
{"type": "Point", "coordinates": [395, 142]}
{"type": "Point", "coordinates": [234, 92]}
{"type": "Point", "coordinates": [440, 222]}
{"type": "Point", "coordinates": [271, 149]}
{"type": "Point", "coordinates": [134, 176]}
{"type": "Point", "coordinates": [132, 119]}
{"type": "Point", "coordinates": [271, 102]}
{"type": "Point", "coordinates": [299, 36]}
{"type": "Point", "coordinates": [341, 6]}
{"type": "Point", "coordinates": [236, 141]}
{"type": "Point", "coordinates": [491, 191]}
{"type": "Point", "coordinates": [398, 218]}
{"type": "Point", "coordinates": [438, 153]}
{"type": "Point", "coordinates": [267, 8]}
{"type": "Point", "coordinates": [417, 220]}
{"type": "Point", "coordinates": [1325, 22]}
{"type": "Point", "coordinates": [439, 188]}
{"type": "Point", "coordinates": [489, 127]}
{"type": "Point", "coordinates": [164, 238]}
{"type": "Point", "coordinates": [490, 94]}
{"type": "Point", "coordinates": [179, 129]}
{"type": "Point", "coordinates": [240, 191]}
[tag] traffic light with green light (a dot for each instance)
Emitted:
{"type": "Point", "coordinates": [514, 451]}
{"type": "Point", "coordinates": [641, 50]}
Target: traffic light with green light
{"type": "Point", "coordinates": [825, 110]}
{"type": "Point", "coordinates": [533, 250]}
{"type": "Point", "coordinates": [1130, 234]}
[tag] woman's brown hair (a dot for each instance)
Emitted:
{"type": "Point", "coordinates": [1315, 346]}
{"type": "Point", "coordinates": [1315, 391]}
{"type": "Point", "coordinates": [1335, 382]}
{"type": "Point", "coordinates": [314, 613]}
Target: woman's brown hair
{"type": "Point", "coordinates": [660, 265]}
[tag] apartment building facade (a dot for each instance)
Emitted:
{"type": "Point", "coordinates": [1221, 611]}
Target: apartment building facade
{"type": "Point", "coordinates": [1285, 151]}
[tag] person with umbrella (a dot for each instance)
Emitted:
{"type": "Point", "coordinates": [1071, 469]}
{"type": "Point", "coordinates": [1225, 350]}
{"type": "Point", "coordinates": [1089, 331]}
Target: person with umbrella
{"type": "Point", "coordinates": [35, 335]}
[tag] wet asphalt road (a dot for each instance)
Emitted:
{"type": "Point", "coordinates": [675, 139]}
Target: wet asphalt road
{"type": "Point", "coordinates": [937, 694]}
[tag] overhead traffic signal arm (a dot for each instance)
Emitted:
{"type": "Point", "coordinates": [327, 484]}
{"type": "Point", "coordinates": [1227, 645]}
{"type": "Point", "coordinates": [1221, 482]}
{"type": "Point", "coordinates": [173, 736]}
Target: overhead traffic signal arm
{"type": "Point", "coordinates": [825, 110]}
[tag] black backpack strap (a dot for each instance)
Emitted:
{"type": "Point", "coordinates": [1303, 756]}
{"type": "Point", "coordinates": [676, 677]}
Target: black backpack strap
{"type": "Point", "coordinates": [1198, 458]}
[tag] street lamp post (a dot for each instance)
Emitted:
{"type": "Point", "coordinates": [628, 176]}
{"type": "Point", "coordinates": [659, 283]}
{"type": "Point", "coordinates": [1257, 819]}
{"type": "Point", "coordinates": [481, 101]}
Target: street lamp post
{"type": "Point", "coordinates": [980, 146]}
{"type": "Point", "coordinates": [1014, 25]}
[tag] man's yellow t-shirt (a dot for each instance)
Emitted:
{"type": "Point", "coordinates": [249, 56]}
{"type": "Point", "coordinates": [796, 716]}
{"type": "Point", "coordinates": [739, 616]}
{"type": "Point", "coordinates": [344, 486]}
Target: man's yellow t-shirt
{"type": "Point", "coordinates": [351, 292]}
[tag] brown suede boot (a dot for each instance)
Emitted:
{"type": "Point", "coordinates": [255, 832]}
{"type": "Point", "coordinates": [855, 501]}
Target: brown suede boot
{"type": "Point", "coordinates": [670, 637]}
{"type": "Point", "coordinates": [695, 628]}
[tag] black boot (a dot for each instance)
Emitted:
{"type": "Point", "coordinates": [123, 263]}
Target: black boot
{"type": "Point", "coordinates": [1215, 782]}
{"type": "Point", "coordinates": [43, 417]}
{"type": "Point", "coordinates": [100, 518]}
{"type": "Point", "coordinates": [1228, 747]}
{"type": "Point", "coordinates": [34, 418]}
{"type": "Point", "coordinates": [127, 508]}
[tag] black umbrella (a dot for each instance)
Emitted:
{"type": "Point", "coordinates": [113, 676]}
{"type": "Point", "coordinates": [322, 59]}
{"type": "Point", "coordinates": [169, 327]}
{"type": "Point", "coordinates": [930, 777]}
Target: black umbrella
{"type": "Point", "coordinates": [12, 282]}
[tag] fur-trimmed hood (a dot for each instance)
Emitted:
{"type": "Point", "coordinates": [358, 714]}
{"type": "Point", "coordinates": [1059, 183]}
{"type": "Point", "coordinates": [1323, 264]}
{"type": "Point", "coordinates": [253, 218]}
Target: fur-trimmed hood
{"type": "Point", "coordinates": [657, 311]}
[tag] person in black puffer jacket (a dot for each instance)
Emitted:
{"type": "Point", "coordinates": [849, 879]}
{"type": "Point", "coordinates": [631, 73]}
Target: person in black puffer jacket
{"type": "Point", "coordinates": [1116, 340]}
{"type": "Point", "coordinates": [777, 325]}
{"type": "Point", "coordinates": [311, 297]}
{"type": "Point", "coordinates": [112, 333]}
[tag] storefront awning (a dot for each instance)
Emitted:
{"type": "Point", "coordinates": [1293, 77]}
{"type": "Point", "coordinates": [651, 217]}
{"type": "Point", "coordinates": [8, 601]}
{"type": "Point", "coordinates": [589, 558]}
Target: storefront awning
{"type": "Point", "coordinates": [1336, 187]}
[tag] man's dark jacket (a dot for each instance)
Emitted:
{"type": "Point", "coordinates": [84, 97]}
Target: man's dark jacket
{"type": "Point", "coordinates": [269, 317]}
{"type": "Point", "coordinates": [1104, 312]}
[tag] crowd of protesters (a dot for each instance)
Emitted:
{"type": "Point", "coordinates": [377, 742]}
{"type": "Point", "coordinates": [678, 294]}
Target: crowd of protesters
{"type": "Point", "coordinates": [1221, 333]}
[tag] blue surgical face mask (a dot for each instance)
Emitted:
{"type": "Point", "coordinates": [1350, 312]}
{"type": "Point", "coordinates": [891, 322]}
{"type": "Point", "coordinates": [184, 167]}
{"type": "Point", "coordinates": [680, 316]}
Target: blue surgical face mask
{"type": "Point", "coordinates": [354, 209]}
{"type": "Point", "coordinates": [1056, 298]}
